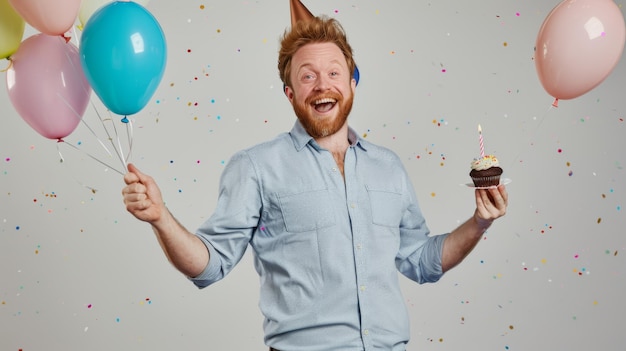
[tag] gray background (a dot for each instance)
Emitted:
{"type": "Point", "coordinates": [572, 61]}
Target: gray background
{"type": "Point", "coordinates": [79, 273]}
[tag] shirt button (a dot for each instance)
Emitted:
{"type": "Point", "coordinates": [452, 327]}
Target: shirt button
{"type": "Point", "coordinates": [353, 205]}
{"type": "Point", "coordinates": [366, 332]}
{"type": "Point", "coordinates": [362, 287]}
{"type": "Point", "coordinates": [359, 246]}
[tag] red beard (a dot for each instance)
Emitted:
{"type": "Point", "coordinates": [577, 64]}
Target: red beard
{"type": "Point", "coordinates": [323, 127]}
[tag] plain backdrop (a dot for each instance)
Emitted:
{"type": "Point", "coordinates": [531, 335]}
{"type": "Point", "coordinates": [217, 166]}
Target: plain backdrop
{"type": "Point", "coordinates": [77, 272]}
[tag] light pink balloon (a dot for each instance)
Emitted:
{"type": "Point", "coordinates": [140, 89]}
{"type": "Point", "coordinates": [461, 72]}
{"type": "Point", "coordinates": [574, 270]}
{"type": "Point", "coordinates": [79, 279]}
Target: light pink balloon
{"type": "Point", "coordinates": [47, 86]}
{"type": "Point", "coordinates": [578, 45]}
{"type": "Point", "coordinates": [53, 17]}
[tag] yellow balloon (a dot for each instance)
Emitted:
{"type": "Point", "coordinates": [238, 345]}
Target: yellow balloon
{"type": "Point", "coordinates": [11, 29]}
{"type": "Point", "coordinates": [88, 7]}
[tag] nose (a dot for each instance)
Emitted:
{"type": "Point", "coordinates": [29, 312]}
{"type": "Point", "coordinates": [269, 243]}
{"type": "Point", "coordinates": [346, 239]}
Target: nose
{"type": "Point", "coordinates": [322, 83]}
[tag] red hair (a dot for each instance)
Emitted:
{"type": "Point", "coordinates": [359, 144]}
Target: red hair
{"type": "Point", "coordinates": [316, 30]}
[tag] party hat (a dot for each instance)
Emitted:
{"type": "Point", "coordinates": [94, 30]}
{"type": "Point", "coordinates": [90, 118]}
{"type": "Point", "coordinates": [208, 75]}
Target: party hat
{"type": "Point", "coordinates": [299, 12]}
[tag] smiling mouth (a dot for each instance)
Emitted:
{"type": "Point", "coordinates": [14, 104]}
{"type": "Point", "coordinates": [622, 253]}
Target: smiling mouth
{"type": "Point", "coordinates": [324, 105]}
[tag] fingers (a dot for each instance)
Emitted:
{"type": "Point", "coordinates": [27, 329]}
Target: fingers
{"type": "Point", "coordinates": [501, 189]}
{"type": "Point", "coordinates": [492, 203]}
{"type": "Point", "coordinates": [500, 197]}
{"type": "Point", "coordinates": [138, 202]}
{"type": "Point", "coordinates": [135, 191]}
{"type": "Point", "coordinates": [134, 175]}
{"type": "Point", "coordinates": [133, 169]}
{"type": "Point", "coordinates": [142, 196]}
{"type": "Point", "coordinates": [135, 196]}
{"type": "Point", "coordinates": [131, 177]}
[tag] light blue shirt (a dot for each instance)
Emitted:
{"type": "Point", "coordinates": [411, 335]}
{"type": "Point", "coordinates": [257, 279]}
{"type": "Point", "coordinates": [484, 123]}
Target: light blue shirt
{"type": "Point", "coordinates": [327, 250]}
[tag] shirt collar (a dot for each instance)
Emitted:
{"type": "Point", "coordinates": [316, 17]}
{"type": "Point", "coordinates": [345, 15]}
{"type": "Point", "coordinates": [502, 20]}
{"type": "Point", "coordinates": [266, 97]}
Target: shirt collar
{"type": "Point", "coordinates": [301, 138]}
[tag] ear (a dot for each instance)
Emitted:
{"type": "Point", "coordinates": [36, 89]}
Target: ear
{"type": "Point", "coordinates": [353, 84]}
{"type": "Point", "coordinates": [288, 92]}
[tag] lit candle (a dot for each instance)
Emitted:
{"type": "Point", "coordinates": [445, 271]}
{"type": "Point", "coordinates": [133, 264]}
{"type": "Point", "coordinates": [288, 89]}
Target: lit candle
{"type": "Point", "coordinates": [480, 139]}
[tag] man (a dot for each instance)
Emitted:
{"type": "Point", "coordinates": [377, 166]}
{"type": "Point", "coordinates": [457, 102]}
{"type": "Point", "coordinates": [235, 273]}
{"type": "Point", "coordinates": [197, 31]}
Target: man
{"type": "Point", "coordinates": [330, 217]}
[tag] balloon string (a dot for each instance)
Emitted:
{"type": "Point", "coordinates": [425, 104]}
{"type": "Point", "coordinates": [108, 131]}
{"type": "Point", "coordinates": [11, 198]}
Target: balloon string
{"type": "Point", "coordinates": [75, 36]}
{"type": "Point", "coordinates": [9, 66]}
{"type": "Point", "coordinates": [64, 100]}
{"type": "Point", "coordinates": [129, 134]}
{"type": "Point", "coordinates": [535, 131]}
{"type": "Point", "coordinates": [118, 149]}
{"type": "Point", "coordinates": [114, 137]}
{"type": "Point", "coordinates": [87, 90]}
{"type": "Point", "coordinates": [119, 145]}
{"type": "Point", "coordinates": [98, 139]}
{"type": "Point", "coordinates": [62, 160]}
{"type": "Point", "coordinates": [78, 69]}
{"type": "Point", "coordinates": [87, 125]}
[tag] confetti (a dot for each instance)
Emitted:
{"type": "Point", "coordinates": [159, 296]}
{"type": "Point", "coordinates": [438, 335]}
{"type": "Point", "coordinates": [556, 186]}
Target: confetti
{"type": "Point", "coordinates": [603, 201]}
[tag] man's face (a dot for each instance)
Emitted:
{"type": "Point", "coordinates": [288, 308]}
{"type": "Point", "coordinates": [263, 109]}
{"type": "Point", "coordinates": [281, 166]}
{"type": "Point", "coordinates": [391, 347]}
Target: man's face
{"type": "Point", "coordinates": [322, 88]}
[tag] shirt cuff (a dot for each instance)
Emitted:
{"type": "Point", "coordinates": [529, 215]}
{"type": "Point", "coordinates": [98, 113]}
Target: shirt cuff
{"type": "Point", "coordinates": [433, 270]}
{"type": "Point", "coordinates": [212, 271]}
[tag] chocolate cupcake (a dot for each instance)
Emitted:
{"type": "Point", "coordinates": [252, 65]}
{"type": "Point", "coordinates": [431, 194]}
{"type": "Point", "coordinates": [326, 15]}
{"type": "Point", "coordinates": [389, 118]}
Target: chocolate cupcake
{"type": "Point", "coordinates": [486, 171]}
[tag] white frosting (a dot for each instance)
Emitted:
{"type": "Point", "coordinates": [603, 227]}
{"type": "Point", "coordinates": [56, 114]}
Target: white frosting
{"type": "Point", "coordinates": [488, 161]}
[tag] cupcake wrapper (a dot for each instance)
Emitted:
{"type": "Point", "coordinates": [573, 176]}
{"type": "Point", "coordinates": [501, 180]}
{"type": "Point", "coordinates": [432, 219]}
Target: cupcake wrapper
{"type": "Point", "coordinates": [486, 181]}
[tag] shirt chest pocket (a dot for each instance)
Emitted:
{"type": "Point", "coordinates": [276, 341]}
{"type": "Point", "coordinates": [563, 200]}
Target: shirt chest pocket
{"type": "Point", "coordinates": [307, 211]}
{"type": "Point", "coordinates": [386, 207]}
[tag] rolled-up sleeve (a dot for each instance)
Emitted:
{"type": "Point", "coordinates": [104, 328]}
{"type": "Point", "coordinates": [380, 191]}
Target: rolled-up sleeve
{"type": "Point", "coordinates": [213, 271]}
{"type": "Point", "coordinates": [228, 231]}
{"type": "Point", "coordinates": [420, 253]}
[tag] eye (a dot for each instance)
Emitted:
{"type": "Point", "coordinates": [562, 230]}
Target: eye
{"type": "Point", "coordinates": [334, 74]}
{"type": "Point", "coordinates": [308, 76]}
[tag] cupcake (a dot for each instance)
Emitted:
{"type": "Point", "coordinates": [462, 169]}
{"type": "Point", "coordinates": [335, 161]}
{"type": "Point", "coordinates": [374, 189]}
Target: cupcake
{"type": "Point", "coordinates": [486, 171]}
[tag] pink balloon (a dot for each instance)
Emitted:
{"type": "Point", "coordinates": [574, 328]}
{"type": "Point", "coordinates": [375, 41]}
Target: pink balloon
{"type": "Point", "coordinates": [578, 45]}
{"type": "Point", "coordinates": [47, 86]}
{"type": "Point", "coordinates": [53, 17]}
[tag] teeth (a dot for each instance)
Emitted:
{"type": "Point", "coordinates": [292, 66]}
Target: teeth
{"type": "Point", "coordinates": [324, 101]}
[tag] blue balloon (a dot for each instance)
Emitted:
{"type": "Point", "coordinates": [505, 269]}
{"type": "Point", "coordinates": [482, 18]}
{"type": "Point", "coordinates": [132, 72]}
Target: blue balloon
{"type": "Point", "coordinates": [123, 53]}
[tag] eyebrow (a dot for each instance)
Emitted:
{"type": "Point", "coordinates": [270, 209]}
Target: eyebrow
{"type": "Point", "coordinates": [308, 64]}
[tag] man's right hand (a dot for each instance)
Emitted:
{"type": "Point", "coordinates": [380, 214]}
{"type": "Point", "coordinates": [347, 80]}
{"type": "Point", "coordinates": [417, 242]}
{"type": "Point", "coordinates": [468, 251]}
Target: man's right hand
{"type": "Point", "coordinates": [142, 196]}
